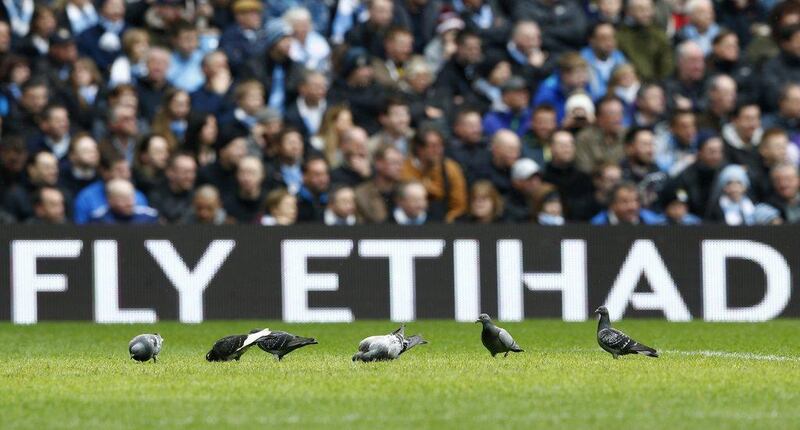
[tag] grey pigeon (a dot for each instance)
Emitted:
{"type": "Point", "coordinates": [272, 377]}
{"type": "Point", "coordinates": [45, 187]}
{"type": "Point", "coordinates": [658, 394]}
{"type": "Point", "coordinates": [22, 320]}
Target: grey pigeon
{"type": "Point", "coordinates": [232, 347]}
{"type": "Point", "coordinates": [616, 342]}
{"type": "Point", "coordinates": [145, 346]}
{"type": "Point", "coordinates": [387, 347]}
{"type": "Point", "coordinates": [496, 339]}
{"type": "Point", "coordinates": [280, 343]}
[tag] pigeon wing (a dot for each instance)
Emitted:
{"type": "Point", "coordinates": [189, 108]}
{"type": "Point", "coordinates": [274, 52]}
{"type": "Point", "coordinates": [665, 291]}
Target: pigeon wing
{"type": "Point", "coordinates": [613, 338]}
{"type": "Point", "coordinates": [506, 339]}
{"type": "Point", "coordinates": [275, 341]}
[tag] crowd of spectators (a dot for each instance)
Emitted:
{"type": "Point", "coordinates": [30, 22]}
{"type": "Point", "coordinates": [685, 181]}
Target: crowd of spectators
{"type": "Point", "coordinates": [343, 112]}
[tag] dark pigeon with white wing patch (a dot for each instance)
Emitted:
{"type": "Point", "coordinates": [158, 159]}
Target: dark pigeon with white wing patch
{"type": "Point", "coordinates": [280, 343]}
{"type": "Point", "coordinates": [232, 347]}
{"type": "Point", "coordinates": [616, 342]}
{"type": "Point", "coordinates": [497, 340]}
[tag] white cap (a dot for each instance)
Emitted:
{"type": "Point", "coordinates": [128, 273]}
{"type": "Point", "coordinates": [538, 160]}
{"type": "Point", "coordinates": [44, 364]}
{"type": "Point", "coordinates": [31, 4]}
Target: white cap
{"type": "Point", "coordinates": [524, 168]}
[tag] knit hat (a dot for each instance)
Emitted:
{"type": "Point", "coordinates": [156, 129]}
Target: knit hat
{"type": "Point", "coordinates": [355, 58]}
{"type": "Point", "coordinates": [277, 30]}
{"type": "Point", "coordinates": [580, 100]}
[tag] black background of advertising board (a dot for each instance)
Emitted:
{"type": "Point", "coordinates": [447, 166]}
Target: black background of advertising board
{"type": "Point", "coordinates": [248, 285]}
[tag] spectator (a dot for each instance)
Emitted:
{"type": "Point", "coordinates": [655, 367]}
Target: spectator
{"type": "Point", "coordinates": [685, 89]}
{"type": "Point", "coordinates": [505, 149]}
{"type": "Point", "coordinates": [244, 204]}
{"type": "Point", "coordinates": [676, 208]}
{"type": "Point", "coordinates": [171, 120]}
{"type": "Point", "coordinates": [202, 131]}
{"type": "Point", "coordinates": [249, 101]}
{"type": "Point", "coordinates": [573, 185]}
{"type": "Point", "coordinates": [216, 94]}
{"type": "Point", "coordinates": [644, 44]}
{"type": "Point", "coordinates": [375, 198]}
{"type": "Point", "coordinates": [274, 67]}
{"type": "Point", "coordinates": [356, 86]}
{"type": "Point", "coordinates": [309, 47]}
{"type": "Point", "coordinates": [231, 148]}
{"type": "Point", "coordinates": [395, 121]}
{"type": "Point", "coordinates": [786, 197]}
{"type": "Point", "coordinates": [25, 116]}
{"type": "Point", "coordinates": [485, 18]}
{"type": "Point", "coordinates": [93, 197]}
{"type": "Point", "coordinates": [287, 169]}
{"type": "Point", "coordinates": [152, 87]}
{"type": "Point", "coordinates": [702, 28]}
{"type": "Point", "coordinates": [185, 66]}
{"type": "Point", "coordinates": [625, 208]}
{"type": "Point", "coordinates": [725, 58]}
{"type": "Point", "coordinates": [280, 207]}
{"type": "Point", "coordinates": [650, 106]}
{"type": "Point", "coordinates": [469, 147]}
{"type": "Point", "coordinates": [121, 207]}
{"type": "Point", "coordinates": [206, 208]}
{"type": "Point", "coordinates": [313, 195]}
{"type": "Point", "coordinates": [54, 134]}
{"type": "Point", "coordinates": [84, 93]}
{"type": "Point", "coordinates": [355, 167]}
{"type": "Point", "coordinates": [442, 47]}
{"type": "Point", "coordinates": [48, 206]}
{"type": "Point", "coordinates": [743, 134]}
{"type": "Point", "coordinates": [525, 54]}
{"type": "Point", "coordinates": [548, 208]}
{"type": "Point", "coordinates": [784, 68]}
{"type": "Point", "coordinates": [485, 204]}
{"type": "Point", "coordinates": [788, 115]}
{"type": "Point", "coordinates": [338, 119]}
{"type": "Point", "coordinates": [526, 184]}
{"type": "Point", "coordinates": [36, 43]}
{"type": "Point", "coordinates": [772, 151]}
{"type": "Point", "coordinates": [419, 16]}
{"type": "Point", "coordinates": [535, 143]}
{"type": "Point", "coordinates": [677, 146]}
{"type": "Point", "coordinates": [247, 37]}
{"type": "Point", "coordinates": [341, 208]}
{"type": "Point", "coordinates": [729, 202]}
{"type": "Point", "coordinates": [102, 42]}
{"type": "Point", "coordinates": [639, 165]}
{"type": "Point", "coordinates": [123, 132]}
{"type": "Point", "coordinates": [605, 176]}
{"type": "Point", "coordinates": [307, 112]}
{"type": "Point", "coordinates": [563, 22]}
{"type": "Point", "coordinates": [411, 205]}
{"type": "Point", "coordinates": [579, 113]}
{"type": "Point", "coordinates": [625, 84]}
{"type": "Point", "coordinates": [602, 56]}
{"type": "Point", "coordinates": [603, 141]}
{"type": "Point", "coordinates": [443, 179]}
{"type": "Point", "coordinates": [42, 170]}
{"type": "Point", "coordinates": [425, 101]}
{"type": "Point", "coordinates": [13, 158]}
{"type": "Point", "coordinates": [398, 46]}
{"type": "Point", "coordinates": [572, 75]}
{"type": "Point", "coordinates": [721, 96]}
{"type": "Point", "coordinates": [516, 115]}
{"type": "Point", "coordinates": [173, 197]}
{"type": "Point", "coordinates": [81, 165]}
{"type": "Point", "coordinates": [152, 157]}
{"type": "Point", "coordinates": [457, 76]}
{"type": "Point", "coordinates": [130, 66]}
{"type": "Point", "coordinates": [60, 59]}
{"type": "Point", "coordinates": [698, 178]}
{"type": "Point", "coordinates": [370, 34]}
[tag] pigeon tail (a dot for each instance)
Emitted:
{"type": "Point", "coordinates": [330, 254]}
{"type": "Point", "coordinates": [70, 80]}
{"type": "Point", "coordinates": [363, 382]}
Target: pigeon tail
{"type": "Point", "coordinates": [644, 350]}
{"type": "Point", "coordinates": [302, 341]}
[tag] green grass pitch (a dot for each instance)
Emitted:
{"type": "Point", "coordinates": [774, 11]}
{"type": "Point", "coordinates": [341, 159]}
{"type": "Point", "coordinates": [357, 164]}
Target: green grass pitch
{"type": "Point", "coordinates": [709, 376]}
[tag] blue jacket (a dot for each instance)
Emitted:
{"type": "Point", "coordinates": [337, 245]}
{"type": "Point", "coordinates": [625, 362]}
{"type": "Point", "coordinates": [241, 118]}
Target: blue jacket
{"type": "Point", "coordinates": [239, 48]}
{"type": "Point", "coordinates": [496, 120]}
{"type": "Point", "coordinates": [551, 92]}
{"type": "Point", "coordinates": [141, 215]}
{"type": "Point", "coordinates": [93, 197]}
{"type": "Point", "coordinates": [598, 83]}
{"type": "Point", "coordinates": [646, 217]}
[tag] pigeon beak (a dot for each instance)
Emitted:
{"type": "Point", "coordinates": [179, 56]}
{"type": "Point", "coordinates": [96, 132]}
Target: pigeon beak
{"type": "Point", "coordinates": [477, 321]}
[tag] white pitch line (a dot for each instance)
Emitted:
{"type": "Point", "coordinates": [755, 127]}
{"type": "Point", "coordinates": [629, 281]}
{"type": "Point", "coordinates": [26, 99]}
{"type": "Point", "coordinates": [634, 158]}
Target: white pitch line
{"type": "Point", "coordinates": [737, 355]}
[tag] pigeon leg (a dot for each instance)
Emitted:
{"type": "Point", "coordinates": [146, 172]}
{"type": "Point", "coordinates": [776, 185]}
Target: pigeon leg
{"type": "Point", "coordinates": [505, 355]}
{"type": "Point", "coordinates": [154, 359]}
{"type": "Point", "coordinates": [616, 357]}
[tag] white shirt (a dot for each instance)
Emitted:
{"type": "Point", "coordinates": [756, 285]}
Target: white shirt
{"type": "Point", "coordinates": [312, 117]}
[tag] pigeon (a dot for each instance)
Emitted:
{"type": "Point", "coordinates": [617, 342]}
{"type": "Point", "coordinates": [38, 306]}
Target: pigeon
{"type": "Point", "coordinates": [496, 339]}
{"type": "Point", "coordinates": [280, 343]}
{"type": "Point", "coordinates": [232, 347]}
{"type": "Point", "coordinates": [388, 347]}
{"type": "Point", "coordinates": [145, 346]}
{"type": "Point", "coordinates": [616, 342]}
